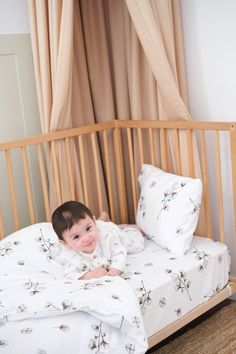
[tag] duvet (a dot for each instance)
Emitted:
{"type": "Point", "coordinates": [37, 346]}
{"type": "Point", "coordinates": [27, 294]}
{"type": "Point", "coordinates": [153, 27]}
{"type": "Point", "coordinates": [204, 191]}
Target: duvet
{"type": "Point", "coordinates": [43, 313]}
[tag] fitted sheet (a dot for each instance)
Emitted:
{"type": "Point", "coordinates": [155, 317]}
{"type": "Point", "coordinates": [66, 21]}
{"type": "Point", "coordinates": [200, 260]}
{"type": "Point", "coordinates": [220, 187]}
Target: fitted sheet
{"type": "Point", "coordinates": [169, 286]}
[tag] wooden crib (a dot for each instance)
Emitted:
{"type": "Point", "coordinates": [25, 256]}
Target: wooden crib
{"type": "Point", "coordinates": [108, 159]}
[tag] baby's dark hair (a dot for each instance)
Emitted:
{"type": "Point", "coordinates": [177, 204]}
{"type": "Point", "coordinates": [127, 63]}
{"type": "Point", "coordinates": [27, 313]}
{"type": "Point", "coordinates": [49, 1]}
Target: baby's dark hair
{"type": "Point", "coordinates": [68, 214]}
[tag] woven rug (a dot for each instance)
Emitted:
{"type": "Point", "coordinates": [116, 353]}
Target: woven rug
{"type": "Point", "coordinates": [212, 333]}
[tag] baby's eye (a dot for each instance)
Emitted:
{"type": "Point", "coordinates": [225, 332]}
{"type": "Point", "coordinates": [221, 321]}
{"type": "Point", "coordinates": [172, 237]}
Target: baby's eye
{"type": "Point", "coordinates": [76, 237]}
{"type": "Point", "coordinates": [89, 228]}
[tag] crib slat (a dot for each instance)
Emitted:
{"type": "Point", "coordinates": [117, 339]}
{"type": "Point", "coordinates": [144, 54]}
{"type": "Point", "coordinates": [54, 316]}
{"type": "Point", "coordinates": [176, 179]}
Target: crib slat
{"type": "Point", "coordinates": [163, 145]}
{"type": "Point", "coordinates": [132, 173]}
{"type": "Point", "coordinates": [69, 167]}
{"type": "Point", "coordinates": [219, 186]}
{"type": "Point", "coordinates": [83, 169]}
{"type": "Point", "coordinates": [1, 226]}
{"type": "Point", "coordinates": [44, 182]}
{"type": "Point", "coordinates": [98, 177]}
{"type": "Point", "coordinates": [120, 176]}
{"type": "Point", "coordinates": [177, 151]}
{"type": "Point", "coordinates": [108, 175]}
{"type": "Point", "coordinates": [140, 144]}
{"type": "Point", "coordinates": [205, 183]}
{"type": "Point", "coordinates": [12, 190]}
{"type": "Point", "coordinates": [152, 146]}
{"type": "Point", "coordinates": [56, 173]}
{"type": "Point", "coordinates": [190, 152]}
{"type": "Point", "coordinates": [27, 185]}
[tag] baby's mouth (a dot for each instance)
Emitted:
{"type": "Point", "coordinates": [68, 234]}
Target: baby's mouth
{"type": "Point", "coordinates": [90, 244]}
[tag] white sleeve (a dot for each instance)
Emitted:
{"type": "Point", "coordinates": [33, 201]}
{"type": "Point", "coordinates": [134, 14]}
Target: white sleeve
{"type": "Point", "coordinates": [73, 267]}
{"type": "Point", "coordinates": [110, 240]}
{"type": "Point", "coordinates": [130, 236]}
{"type": "Point", "coordinates": [118, 253]}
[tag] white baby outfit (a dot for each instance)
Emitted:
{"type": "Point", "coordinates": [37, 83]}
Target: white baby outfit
{"type": "Point", "coordinates": [111, 250]}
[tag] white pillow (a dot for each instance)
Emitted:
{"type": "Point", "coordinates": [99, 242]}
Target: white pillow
{"type": "Point", "coordinates": [168, 208]}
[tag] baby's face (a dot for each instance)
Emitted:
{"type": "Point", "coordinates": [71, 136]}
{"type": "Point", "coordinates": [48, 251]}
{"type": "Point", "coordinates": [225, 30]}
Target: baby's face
{"type": "Point", "coordinates": [83, 236]}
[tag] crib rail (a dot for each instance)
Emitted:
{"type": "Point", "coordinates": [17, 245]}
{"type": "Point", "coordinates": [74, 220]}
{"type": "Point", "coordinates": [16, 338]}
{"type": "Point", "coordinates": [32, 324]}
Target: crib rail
{"type": "Point", "coordinates": [27, 165]}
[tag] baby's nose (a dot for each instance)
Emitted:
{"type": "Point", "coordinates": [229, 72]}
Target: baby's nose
{"type": "Point", "coordinates": [86, 238]}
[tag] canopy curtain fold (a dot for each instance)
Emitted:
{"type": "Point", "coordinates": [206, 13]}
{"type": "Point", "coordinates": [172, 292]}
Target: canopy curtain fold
{"type": "Point", "coordinates": [158, 42]}
{"type": "Point", "coordinates": [102, 60]}
{"type": "Point", "coordinates": [52, 38]}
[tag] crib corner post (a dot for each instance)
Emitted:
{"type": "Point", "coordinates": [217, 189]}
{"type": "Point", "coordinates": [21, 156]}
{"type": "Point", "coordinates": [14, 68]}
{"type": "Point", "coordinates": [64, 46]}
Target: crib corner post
{"type": "Point", "coordinates": [120, 175]}
{"type": "Point", "coordinates": [233, 169]}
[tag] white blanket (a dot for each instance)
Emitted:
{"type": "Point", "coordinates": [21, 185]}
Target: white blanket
{"type": "Point", "coordinates": [35, 300]}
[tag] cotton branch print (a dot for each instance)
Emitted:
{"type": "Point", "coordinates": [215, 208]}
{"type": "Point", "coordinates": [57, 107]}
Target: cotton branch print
{"type": "Point", "coordinates": [63, 328]}
{"type": "Point", "coordinates": [41, 351]}
{"type": "Point", "coordinates": [98, 342]}
{"type": "Point", "coordinates": [26, 330]}
{"type": "Point", "coordinates": [169, 196]}
{"type": "Point", "coordinates": [144, 296]}
{"type": "Point", "coordinates": [22, 308]}
{"type": "Point", "coordinates": [162, 302]}
{"type": "Point", "coordinates": [34, 287]}
{"type": "Point", "coordinates": [8, 247]}
{"type": "Point", "coordinates": [201, 256]}
{"type": "Point", "coordinates": [182, 283]}
{"type": "Point", "coordinates": [196, 206]}
{"type": "Point", "coordinates": [213, 292]}
{"type": "Point", "coordinates": [64, 306]}
{"type": "Point", "coordinates": [136, 321]}
{"type": "Point", "coordinates": [3, 343]}
{"type": "Point", "coordinates": [46, 245]}
{"type": "Point", "coordinates": [178, 312]}
{"type": "Point", "coordinates": [141, 205]}
{"type": "Point", "coordinates": [130, 348]}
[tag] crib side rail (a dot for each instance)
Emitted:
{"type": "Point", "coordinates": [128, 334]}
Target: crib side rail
{"type": "Point", "coordinates": [26, 165]}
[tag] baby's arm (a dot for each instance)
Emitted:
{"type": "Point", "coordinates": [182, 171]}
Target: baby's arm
{"type": "Point", "coordinates": [133, 226]}
{"type": "Point", "coordinates": [118, 254]}
{"type": "Point", "coordinates": [75, 269]}
{"type": "Point", "coordinates": [114, 272]}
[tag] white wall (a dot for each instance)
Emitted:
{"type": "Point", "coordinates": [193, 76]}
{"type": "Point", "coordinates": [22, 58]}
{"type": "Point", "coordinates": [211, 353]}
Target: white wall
{"type": "Point", "coordinates": [209, 28]}
{"type": "Point", "coordinates": [19, 115]}
{"type": "Point", "coordinates": [14, 17]}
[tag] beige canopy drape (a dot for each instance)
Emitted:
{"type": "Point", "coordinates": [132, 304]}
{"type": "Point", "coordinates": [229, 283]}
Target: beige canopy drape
{"type": "Point", "coordinates": [52, 43]}
{"type": "Point", "coordinates": [102, 60]}
{"type": "Point", "coordinates": [158, 27]}
{"type": "Point", "coordinates": [81, 46]}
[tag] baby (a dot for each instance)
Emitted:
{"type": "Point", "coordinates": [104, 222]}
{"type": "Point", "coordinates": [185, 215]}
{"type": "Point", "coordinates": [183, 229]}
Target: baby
{"type": "Point", "coordinates": [92, 248]}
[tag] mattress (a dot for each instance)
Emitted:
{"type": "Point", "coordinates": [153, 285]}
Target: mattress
{"type": "Point", "coordinates": [169, 286]}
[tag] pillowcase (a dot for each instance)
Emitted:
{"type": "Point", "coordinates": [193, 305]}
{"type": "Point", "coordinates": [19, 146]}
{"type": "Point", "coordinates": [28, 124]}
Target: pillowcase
{"type": "Point", "coordinates": [168, 208]}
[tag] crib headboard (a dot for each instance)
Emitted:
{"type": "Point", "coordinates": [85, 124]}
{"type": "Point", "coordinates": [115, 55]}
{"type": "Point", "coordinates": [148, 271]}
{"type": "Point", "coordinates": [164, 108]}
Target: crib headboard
{"type": "Point", "coordinates": [26, 165]}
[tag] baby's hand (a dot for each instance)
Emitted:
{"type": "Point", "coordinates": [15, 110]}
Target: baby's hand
{"type": "Point", "coordinates": [96, 273]}
{"type": "Point", "coordinates": [113, 272]}
{"type": "Point", "coordinates": [99, 272]}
